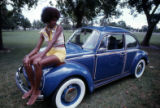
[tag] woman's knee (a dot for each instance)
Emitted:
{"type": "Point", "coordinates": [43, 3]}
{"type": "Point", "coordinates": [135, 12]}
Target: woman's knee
{"type": "Point", "coordinates": [26, 62]}
{"type": "Point", "coordinates": [36, 62]}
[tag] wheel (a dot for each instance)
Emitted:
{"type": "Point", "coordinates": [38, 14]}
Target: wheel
{"type": "Point", "coordinates": [69, 94]}
{"type": "Point", "coordinates": [140, 67]}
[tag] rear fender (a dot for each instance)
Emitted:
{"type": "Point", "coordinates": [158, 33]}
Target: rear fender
{"type": "Point", "coordinates": [140, 55]}
{"type": "Point", "coordinates": [56, 76]}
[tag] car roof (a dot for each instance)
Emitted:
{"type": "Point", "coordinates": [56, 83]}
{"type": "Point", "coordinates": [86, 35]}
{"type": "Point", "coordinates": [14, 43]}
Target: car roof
{"type": "Point", "coordinates": [108, 29]}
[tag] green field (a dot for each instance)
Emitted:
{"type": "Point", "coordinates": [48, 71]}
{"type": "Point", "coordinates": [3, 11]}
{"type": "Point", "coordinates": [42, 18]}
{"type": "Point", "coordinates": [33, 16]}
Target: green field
{"type": "Point", "coordinates": [125, 93]}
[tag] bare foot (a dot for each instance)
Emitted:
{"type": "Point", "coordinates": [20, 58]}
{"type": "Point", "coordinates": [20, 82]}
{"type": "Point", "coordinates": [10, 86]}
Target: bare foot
{"type": "Point", "coordinates": [33, 97]}
{"type": "Point", "coordinates": [26, 95]}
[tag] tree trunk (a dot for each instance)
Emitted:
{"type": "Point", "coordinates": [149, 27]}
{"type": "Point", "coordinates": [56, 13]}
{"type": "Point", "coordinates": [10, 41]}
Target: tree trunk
{"type": "Point", "coordinates": [1, 41]}
{"type": "Point", "coordinates": [79, 22]}
{"type": "Point", "coordinates": [148, 35]}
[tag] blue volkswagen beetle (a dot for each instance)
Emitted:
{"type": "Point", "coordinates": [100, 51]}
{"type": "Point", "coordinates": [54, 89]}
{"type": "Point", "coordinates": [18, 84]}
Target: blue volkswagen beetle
{"type": "Point", "coordinates": [95, 56]}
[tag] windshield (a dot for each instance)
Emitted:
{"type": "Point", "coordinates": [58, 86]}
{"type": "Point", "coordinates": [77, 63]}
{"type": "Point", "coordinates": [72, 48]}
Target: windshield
{"type": "Point", "coordinates": [85, 38]}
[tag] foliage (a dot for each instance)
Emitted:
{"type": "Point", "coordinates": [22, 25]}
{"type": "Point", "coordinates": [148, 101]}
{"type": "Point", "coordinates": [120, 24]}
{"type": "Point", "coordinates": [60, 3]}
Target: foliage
{"type": "Point", "coordinates": [122, 24]}
{"type": "Point", "coordinates": [151, 9]}
{"type": "Point", "coordinates": [144, 28]}
{"type": "Point", "coordinates": [65, 22]}
{"type": "Point", "coordinates": [108, 8]}
{"type": "Point", "coordinates": [80, 9]}
{"type": "Point", "coordinates": [16, 8]}
{"type": "Point", "coordinates": [18, 4]}
{"type": "Point", "coordinates": [15, 20]}
{"type": "Point", "coordinates": [25, 23]}
{"type": "Point", "coordinates": [37, 24]}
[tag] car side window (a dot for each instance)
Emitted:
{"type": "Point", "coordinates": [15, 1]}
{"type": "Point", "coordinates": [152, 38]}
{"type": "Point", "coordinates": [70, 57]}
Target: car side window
{"type": "Point", "coordinates": [115, 41]}
{"type": "Point", "coordinates": [103, 42]}
{"type": "Point", "coordinates": [131, 42]}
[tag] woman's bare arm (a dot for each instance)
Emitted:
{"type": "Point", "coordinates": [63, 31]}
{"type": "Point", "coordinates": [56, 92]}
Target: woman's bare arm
{"type": "Point", "coordinates": [38, 46]}
{"type": "Point", "coordinates": [50, 44]}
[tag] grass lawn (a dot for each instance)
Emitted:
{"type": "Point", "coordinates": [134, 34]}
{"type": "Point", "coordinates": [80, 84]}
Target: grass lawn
{"type": "Point", "coordinates": [125, 93]}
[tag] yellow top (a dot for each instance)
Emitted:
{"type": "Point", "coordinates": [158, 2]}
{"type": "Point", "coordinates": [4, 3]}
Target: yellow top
{"type": "Point", "coordinates": [60, 52]}
{"type": "Point", "coordinates": [60, 40]}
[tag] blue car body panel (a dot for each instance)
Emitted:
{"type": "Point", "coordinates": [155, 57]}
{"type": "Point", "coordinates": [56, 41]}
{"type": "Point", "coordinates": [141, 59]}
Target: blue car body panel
{"type": "Point", "coordinates": [106, 63]}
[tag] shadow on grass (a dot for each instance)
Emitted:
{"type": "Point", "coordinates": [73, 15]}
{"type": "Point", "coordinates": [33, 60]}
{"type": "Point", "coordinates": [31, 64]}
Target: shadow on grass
{"type": "Point", "coordinates": [47, 103]}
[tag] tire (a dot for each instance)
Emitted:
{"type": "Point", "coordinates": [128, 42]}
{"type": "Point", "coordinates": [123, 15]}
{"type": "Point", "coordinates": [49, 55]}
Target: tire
{"type": "Point", "coordinates": [140, 67]}
{"type": "Point", "coordinates": [69, 94]}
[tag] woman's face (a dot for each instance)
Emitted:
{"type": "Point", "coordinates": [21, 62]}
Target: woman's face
{"type": "Point", "coordinates": [52, 23]}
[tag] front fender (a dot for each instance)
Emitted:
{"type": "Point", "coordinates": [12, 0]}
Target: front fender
{"type": "Point", "coordinates": [140, 55]}
{"type": "Point", "coordinates": [55, 76]}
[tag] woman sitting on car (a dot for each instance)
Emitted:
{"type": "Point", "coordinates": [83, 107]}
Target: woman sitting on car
{"type": "Point", "coordinates": [54, 54]}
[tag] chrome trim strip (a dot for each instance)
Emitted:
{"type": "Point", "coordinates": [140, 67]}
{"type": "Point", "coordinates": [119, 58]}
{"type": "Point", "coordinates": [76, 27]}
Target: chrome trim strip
{"type": "Point", "coordinates": [108, 78]}
{"type": "Point", "coordinates": [124, 60]}
{"type": "Point", "coordinates": [125, 74]}
{"type": "Point", "coordinates": [76, 54]}
{"type": "Point", "coordinates": [95, 69]}
{"type": "Point", "coordinates": [80, 57]}
{"type": "Point", "coordinates": [101, 42]}
{"type": "Point", "coordinates": [109, 53]}
{"type": "Point", "coordinates": [131, 50]}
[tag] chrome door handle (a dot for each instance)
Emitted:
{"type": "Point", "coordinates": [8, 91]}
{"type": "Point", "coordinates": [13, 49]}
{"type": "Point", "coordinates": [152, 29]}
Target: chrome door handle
{"type": "Point", "coordinates": [122, 53]}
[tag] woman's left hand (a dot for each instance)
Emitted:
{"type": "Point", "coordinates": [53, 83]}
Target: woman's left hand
{"type": "Point", "coordinates": [37, 60]}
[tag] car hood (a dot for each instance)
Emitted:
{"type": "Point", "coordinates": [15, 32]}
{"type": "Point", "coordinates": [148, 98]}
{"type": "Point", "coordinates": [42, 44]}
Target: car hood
{"type": "Point", "coordinates": [75, 50]}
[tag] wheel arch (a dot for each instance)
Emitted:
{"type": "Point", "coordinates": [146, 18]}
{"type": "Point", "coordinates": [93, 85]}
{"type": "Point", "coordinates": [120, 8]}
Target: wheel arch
{"type": "Point", "coordinates": [140, 55]}
{"type": "Point", "coordinates": [82, 78]}
{"type": "Point", "coordinates": [146, 60]}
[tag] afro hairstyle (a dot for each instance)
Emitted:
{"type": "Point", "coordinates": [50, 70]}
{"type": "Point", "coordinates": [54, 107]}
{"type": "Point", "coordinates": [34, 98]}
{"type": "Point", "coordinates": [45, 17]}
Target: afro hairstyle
{"type": "Point", "coordinates": [49, 13]}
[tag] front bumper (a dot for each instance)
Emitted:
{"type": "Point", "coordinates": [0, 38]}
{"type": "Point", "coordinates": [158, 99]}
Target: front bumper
{"type": "Point", "coordinates": [21, 84]}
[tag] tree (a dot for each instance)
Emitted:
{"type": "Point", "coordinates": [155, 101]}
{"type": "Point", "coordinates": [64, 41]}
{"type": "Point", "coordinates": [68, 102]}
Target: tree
{"type": "Point", "coordinates": [25, 23]}
{"type": "Point", "coordinates": [144, 28]}
{"type": "Point", "coordinates": [38, 24]}
{"type": "Point", "coordinates": [151, 9]}
{"type": "Point", "coordinates": [122, 24]}
{"type": "Point", "coordinates": [16, 5]}
{"type": "Point", "coordinates": [80, 9]}
{"type": "Point", "coordinates": [108, 8]}
{"type": "Point", "coordinates": [104, 22]}
{"type": "Point", "coordinates": [13, 20]}
{"type": "Point", "coordinates": [113, 24]}
{"type": "Point", "coordinates": [65, 22]}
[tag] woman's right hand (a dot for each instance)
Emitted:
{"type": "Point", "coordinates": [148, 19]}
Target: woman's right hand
{"type": "Point", "coordinates": [26, 60]}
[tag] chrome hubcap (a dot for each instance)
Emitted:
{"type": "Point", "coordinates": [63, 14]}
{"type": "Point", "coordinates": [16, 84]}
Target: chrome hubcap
{"type": "Point", "coordinates": [70, 94]}
{"type": "Point", "coordinates": [139, 69]}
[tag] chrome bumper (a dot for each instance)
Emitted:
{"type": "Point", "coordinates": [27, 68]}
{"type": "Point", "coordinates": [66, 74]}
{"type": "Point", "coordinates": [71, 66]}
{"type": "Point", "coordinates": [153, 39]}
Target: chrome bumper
{"type": "Point", "coordinates": [21, 86]}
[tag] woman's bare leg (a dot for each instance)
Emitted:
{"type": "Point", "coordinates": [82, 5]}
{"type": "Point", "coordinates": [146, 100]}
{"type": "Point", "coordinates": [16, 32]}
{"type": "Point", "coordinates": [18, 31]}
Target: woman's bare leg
{"type": "Point", "coordinates": [47, 60]}
{"type": "Point", "coordinates": [30, 75]}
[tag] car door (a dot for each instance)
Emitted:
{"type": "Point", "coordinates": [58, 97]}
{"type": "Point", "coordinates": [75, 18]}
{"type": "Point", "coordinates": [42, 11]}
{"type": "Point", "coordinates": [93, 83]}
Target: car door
{"type": "Point", "coordinates": [110, 57]}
